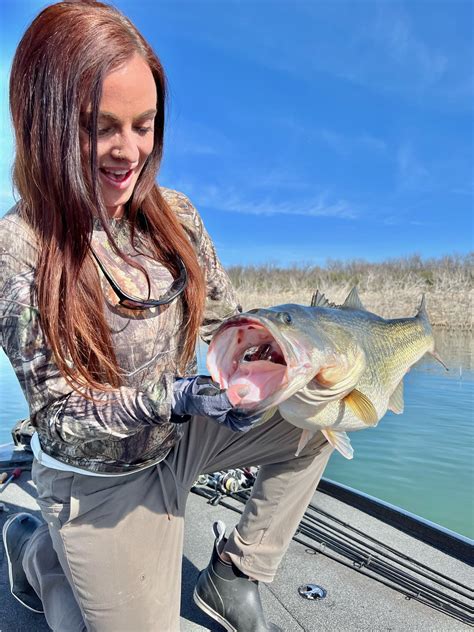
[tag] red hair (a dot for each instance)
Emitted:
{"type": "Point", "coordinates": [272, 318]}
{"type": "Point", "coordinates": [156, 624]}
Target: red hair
{"type": "Point", "coordinates": [57, 73]}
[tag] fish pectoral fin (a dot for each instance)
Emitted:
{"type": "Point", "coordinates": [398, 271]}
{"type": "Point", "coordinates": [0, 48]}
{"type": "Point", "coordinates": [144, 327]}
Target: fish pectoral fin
{"type": "Point", "coordinates": [362, 407]}
{"type": "Point", "coordinates": [340, 441]}
{"type": "Point", "coordinates": [306, 436]}
{"type": "Point", "coordinates": [396, 403]}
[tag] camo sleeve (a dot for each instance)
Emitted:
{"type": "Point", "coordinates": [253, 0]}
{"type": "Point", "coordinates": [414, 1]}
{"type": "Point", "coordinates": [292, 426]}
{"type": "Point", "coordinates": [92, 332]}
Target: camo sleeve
{"type": "Point", "coordinates": [62, 414]}
{"type": "Point", "coordinates": [221, 300]}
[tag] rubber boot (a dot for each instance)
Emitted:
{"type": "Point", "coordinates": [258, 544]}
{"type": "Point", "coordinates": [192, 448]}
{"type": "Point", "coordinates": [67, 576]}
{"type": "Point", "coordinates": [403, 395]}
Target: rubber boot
{"type": "Point", "coordinates": [17, 531]}
{"type": "Point", "coordinates": [229, 596]}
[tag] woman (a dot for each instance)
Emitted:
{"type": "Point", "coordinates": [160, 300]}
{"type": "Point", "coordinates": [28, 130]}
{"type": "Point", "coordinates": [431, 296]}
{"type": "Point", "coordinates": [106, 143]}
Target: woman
{"type": "Point", "coordinates": [107, 280]}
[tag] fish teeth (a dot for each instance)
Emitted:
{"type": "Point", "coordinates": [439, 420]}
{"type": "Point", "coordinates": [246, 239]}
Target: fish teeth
{"type": "Point", "coordinates": [247, 357]}
{"type": "Point", "coordinates": [260, 352]}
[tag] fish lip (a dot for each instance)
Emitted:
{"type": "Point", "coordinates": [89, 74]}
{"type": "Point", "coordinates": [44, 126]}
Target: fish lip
{"type": "Point", "coordinates": [268, 325]}
{"type": "Point", "coordinates": [293, 366]}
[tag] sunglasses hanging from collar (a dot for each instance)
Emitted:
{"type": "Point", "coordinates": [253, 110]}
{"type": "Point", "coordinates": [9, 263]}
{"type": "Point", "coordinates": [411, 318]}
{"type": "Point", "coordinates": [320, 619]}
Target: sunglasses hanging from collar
{"type": "Point", "coordinates": [133, 302]}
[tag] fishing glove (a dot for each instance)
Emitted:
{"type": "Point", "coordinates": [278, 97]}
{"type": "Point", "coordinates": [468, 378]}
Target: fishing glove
{"type": "Point", "coordinates": [201, 396]}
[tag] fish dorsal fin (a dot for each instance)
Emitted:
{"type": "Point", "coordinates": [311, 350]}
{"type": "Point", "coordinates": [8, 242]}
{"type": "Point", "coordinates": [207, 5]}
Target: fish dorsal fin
{"type": "Point", "coordinates": [396, 403]}
{"type": "Point", "coordinates": [422, 313]}
{"type": "Point", "coordinates": [340, 441]}
{"type": "Point", "coordinates": [319, 300]}
{"type": "Point", "coordinates": [353, 301]}
{"type": "Point", "coordinates": [362, 407]}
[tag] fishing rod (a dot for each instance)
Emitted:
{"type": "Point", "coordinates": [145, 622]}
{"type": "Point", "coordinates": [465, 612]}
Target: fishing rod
{"type": "Point", "coordinates": [407, 591]}
{"type": "Point", "coordinates": [365, 561]}
{"type": "Point", "coordinates": [413, 589]}
{"type": "Point", "coordinates": [401, 562]}
{"type": "Point", "coordinates": [307, 515]}
{"type": "Point", "coordinates": [364, 557]}
{"type": "Point", "coordinates": [328, 526]}
{"type": "Point", "coordinates": [380, 566]}
{"type": "Point", "coordinates": [318, 510]}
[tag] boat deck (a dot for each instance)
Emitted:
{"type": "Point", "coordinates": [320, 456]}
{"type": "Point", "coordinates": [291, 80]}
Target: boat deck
{"type": "Point", "coordinates": [355, 599]}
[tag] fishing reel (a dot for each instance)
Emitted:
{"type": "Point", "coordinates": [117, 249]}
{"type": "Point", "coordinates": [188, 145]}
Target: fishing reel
{"type": "Point", "coordinates": [227, 482]}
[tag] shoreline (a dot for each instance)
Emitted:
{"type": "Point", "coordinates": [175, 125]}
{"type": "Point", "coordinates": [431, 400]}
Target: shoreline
{"type": "Point", "coordinates": [391, 289]}
{"type": "Point", "coordinates": [452, 316]}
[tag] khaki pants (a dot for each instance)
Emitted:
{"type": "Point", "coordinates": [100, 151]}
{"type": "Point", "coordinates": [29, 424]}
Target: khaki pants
{"type": "Point", "coordinates": [109, 557]}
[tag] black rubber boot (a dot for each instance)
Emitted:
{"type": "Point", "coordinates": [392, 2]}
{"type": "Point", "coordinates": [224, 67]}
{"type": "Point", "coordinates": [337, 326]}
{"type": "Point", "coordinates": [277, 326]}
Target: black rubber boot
{"type": "Point", "coordinates": [229, 596]}
{"type": "Point", "coordinates": [17, 530]}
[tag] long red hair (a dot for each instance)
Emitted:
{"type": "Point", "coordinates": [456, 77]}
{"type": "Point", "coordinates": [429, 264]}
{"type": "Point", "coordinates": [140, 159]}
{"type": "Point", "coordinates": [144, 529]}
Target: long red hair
{"type": "Point", "coordinates": [57, 73]}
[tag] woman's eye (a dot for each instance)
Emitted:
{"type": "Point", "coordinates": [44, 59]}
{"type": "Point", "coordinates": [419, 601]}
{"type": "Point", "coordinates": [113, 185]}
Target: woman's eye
{"type": "Point", "coordinates": [103, 131]}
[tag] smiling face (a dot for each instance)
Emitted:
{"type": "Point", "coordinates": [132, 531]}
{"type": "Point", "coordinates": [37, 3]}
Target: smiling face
{"type": "Point", "coordinates": [125, 131]}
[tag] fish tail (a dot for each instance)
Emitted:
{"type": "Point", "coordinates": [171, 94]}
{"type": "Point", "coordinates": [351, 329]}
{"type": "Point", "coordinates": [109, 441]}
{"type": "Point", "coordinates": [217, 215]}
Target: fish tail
{"type": "Point", "coordinates": [422, 315]}
{"type": "Point", "coordinates": [424, 320]}
{"type": "Point", "coordinates": [436, 356]}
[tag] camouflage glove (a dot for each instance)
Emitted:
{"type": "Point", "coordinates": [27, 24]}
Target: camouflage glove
{"type": "Point", "coordinates": [201, 396]}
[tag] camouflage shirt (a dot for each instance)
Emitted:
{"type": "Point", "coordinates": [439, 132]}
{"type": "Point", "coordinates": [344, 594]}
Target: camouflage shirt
{"type": "Point", "coordinates": [130, 428]}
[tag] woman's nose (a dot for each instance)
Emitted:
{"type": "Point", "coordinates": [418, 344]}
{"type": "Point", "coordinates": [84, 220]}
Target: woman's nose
{"type": "Point", "coordinates": [126, 149]}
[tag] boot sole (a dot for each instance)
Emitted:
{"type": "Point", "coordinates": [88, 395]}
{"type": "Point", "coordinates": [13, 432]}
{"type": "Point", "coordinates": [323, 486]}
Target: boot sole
{"type": "Point", "coordinates": [10, 573]}
{"type": "Point", "coordinates": [212, 613]}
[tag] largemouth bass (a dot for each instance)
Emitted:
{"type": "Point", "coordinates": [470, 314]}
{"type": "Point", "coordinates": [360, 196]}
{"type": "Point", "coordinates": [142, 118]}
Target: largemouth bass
{"type": "Point", "coordinates": [325, 367]}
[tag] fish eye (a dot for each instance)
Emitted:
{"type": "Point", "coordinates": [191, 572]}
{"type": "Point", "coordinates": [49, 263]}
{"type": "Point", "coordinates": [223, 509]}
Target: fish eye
{"type": "Point", "coordinates": [285, 317]}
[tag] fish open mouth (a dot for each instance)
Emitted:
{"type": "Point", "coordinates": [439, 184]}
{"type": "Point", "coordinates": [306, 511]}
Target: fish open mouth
{"type": "Point", "coordinates": [245, 358]}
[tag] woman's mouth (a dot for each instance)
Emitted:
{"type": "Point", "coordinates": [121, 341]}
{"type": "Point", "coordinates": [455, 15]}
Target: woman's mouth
{"type": "Point", "coordinates": [118, 178]}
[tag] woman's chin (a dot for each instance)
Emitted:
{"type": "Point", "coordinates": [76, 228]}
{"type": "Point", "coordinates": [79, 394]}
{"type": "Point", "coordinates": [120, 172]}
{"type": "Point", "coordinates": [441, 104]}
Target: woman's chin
{"type": "Point", "coordinates": [115, 211]}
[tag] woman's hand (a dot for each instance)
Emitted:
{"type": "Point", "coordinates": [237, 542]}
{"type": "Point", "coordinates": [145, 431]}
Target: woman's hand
{"type": "Point", "coordinates": [201, 396]}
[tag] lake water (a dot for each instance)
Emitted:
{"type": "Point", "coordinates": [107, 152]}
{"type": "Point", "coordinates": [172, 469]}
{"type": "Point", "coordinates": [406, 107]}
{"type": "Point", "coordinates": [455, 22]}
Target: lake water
{"type": "Point", "coordinates": [421, 460]}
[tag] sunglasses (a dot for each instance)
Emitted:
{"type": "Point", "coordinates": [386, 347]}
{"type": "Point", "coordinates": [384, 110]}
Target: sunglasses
{"type": "Point", "coordinates": [133, 302]}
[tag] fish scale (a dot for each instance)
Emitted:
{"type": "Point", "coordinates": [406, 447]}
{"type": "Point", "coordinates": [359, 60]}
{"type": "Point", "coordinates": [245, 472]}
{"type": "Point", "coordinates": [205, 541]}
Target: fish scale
{"type": "Point", "coordinates": [390, 350]}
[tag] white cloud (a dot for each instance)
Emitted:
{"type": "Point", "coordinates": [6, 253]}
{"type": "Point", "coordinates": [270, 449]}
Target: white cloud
{"type": "Point", "coordinates": [346, 144]}
{"type": "Point", "coordinates": [412, 173]}
{"type": "Point", "coordinates": [184, 136]}
{"type": "Point", "coordinates": [386, 46]}
{"type": "Point", "coordinates": [466, 190]}
{"type": "Point", "coordinates": [395, 33]}
{"type": "Point", "coordinates": [230, 199]}
{"type": "Point", "coordinates": [342, 143]}
{"type": "Point", "coordinates": [267, 254]}
{"type": "Point", "coordinates": [280, 177]}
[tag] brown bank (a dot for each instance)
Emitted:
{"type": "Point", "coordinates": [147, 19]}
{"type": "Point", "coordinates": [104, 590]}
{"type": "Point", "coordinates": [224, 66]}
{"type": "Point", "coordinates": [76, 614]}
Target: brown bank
{"type": "Point", "coordinates": [390, 289]}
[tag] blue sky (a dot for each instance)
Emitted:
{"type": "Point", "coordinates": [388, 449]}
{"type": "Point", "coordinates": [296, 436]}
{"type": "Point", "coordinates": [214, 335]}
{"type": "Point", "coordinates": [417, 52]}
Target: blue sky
{"type": "Point", "coordinates": [304, 131]}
